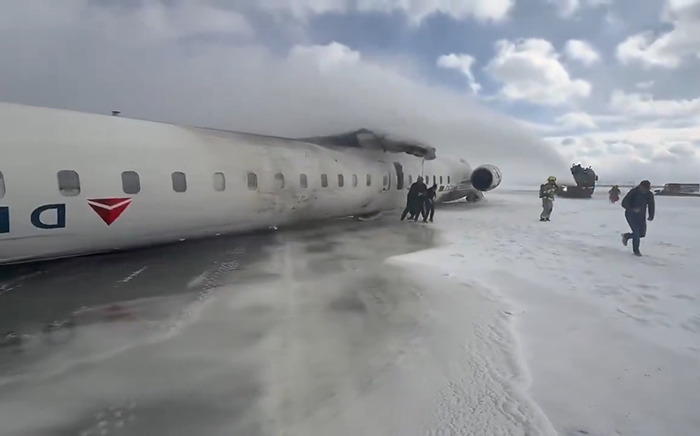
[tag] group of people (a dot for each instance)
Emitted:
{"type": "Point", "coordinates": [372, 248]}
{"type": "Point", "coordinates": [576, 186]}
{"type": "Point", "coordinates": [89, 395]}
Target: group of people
{"type": "Point", "coordinates": [636, 203]}
{"type": "Point", "coordinates": [420, 201]}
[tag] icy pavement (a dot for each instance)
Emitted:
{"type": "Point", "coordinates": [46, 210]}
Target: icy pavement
{"type": "Point", "coordinates": [307, 332]}
{"type": "Point", "coordinates": [611, 342]}
{"type": "Point", "coordinates": [511, 327]}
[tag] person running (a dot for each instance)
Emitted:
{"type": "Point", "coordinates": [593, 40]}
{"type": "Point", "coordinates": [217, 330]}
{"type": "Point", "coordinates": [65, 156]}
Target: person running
{"type": "Point", "coordinates": [614, 194]}
{"type": "Point", "coordinates": [636, 203]}
{"type": "Point", "coordinates": [547, 191]}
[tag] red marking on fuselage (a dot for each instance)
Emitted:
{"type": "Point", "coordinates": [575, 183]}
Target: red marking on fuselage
{"type": "Point", "coordinates": [109, 209]}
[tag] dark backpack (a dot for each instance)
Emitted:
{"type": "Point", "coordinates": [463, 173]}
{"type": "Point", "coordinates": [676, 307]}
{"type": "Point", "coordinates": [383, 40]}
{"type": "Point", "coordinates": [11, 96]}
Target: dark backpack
{"type": "Point", "coordinates": [542, 186]}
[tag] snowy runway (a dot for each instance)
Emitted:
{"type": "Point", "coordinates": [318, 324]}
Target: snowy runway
{"type": "Point", "coordinates": [509, 326]}
{"type": "Point", "coordinates": [611, 341]}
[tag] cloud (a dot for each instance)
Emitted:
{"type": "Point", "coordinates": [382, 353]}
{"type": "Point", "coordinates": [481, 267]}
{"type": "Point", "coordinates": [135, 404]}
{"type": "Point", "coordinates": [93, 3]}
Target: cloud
{"type": "Point", "coordinates": [621, 148]}
{"type": "Point", "coordinates": [644, 105]}
{"type": "Point", "coordinates": [682, 149]}
{"type": "Point", "coordinates": [644, 85]}
{"type": "Point", "coordinates": [644, 138]}
{"type": "Point", "coordinates": [462, 63]}
{"type": "Point", "coordinates": [666, 50]}
{"type": "Point", "coordinates": [152, 22]}
{"type": "Point", "coordinates": [620, 159]}
{"type": "Point", "coordinates": [122, 63]}
{"type": "Point", "coordinates": [415, 10]}
{"type": "Point", "coordinates": [568, 8]}
{"type": "Point", "coordinates": [530, 70]}
{"type": "Point", "coordinates": [581, 51]}
{"type": "Point", "coordinates": [643, 49]}
{"type": "Point", "coordinates": [574, 120]}
{"type": "Point", "coordinates": [326, 57]}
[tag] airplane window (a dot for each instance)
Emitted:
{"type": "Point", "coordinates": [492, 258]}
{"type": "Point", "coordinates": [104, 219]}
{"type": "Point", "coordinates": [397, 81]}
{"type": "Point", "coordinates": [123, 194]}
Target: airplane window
{"type": "Point", "coordinates": [410, 179]}
{"type": "Point", "coordinates": [324, 180]}
{"type": "Point", "coordinates": [448, 179]}
{"type": "Point", "coordinates": [131, 183]}
{"type": "Point", "coordinates": [385, 180]}
{"type": "Point", "coordinates": [303, 181]}
{"type": "Point", "coordinates": [2, 185]}
{"type": "Point", "coordinates": [219, 182]}
{"type": "Point", "coordinates": [369, 179]}
{"type": "Point", "coordinates": [68, 183]}
{"type": "Point", "coordinates": [354, 180]}
{"type": "Point", "coordinates": [279, 178]}
{"type": "Point", "coordinates": [252, 181]}
{"type": "Point", "coordinates": [341, 180]}
{"type": "Point", "coordinates": [426, 180]}
{"type": "Point", "coordinates": [441, 180]}
{"type": "Point", "coordinates": [434, 180]}
{"type": "Point", "coordinates": [179, 181]}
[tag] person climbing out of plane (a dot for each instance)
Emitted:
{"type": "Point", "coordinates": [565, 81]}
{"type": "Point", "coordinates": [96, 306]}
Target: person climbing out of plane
{"type": "Point", "coordinates": [547, 191]}
{"type": "Point", "coordinates": [429, 209]}
{"type": "Point", "coordinates": [636, 203]}
{"type": "Point", "coordinates": [614, 194]}
{"type": "Point", "coordinates": [414, 200]}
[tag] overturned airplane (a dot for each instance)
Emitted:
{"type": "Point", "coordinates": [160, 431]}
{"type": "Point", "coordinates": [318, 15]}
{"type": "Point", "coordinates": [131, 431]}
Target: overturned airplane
{"type": "Point", "coordinates": [74, 183]}
{"type": "Point", "coordinates": [585, 183]}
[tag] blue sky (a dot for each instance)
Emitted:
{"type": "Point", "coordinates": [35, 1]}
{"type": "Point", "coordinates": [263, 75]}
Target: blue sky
{"type": "Point", "coordinates": [611, 83]}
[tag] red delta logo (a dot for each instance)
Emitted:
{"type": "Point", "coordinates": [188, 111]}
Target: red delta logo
{"type": "Point", "coordinates": [109, 209]}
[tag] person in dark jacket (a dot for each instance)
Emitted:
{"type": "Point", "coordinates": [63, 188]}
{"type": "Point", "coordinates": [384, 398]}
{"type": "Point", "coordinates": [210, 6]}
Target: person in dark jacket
{"type": "Point", "coordinates": [429, 209]}
{"type": "Point", "coordinates": [414, 199]}
{"type": "Point", "coordinates": [614, 194]}
{"type": "Point", "coordinates": [636, 203]}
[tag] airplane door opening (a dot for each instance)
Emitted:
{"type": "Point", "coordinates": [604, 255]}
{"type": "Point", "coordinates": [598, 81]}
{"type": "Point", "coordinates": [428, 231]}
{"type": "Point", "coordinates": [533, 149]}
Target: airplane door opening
{"type": "Point", "coordinates": [399, 176]}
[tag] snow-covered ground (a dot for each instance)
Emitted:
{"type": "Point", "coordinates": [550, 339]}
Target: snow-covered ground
{"type": "Point", "coordinates": [510, 327]}
{"type": "Point", "coordinates": [604, 342]}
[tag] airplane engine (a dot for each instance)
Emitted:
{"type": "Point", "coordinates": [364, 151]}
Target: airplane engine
{"type": "Point", "coordinates": [486, 178]}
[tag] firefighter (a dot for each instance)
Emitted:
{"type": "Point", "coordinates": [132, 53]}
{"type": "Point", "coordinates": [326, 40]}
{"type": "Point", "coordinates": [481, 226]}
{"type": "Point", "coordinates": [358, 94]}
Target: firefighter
{"type": "Point", "coordinates": [547, 191]}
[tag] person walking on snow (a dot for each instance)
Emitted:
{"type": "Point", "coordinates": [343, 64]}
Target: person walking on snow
{"type": "Point", "coordinates": [614, 194]}
{"type": "Point", "coordinates": [636, 203]}
{"type": "Point", "coordinates": [547, 191]}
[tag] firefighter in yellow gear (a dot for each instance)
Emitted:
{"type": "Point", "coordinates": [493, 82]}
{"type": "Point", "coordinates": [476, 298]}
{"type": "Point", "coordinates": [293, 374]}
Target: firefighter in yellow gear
{"type": "Point", "coordinates": [547, 192]}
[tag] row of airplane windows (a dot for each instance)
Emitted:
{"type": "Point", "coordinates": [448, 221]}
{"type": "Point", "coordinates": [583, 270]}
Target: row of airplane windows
{"type": "Point", "coordinates": [69, 182]}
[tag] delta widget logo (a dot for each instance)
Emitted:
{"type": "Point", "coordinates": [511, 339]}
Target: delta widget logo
{"type": "Point", "coordinates": [109, 209]}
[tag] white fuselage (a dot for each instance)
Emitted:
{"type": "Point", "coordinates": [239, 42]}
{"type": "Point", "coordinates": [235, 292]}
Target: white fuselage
{"type": "Point", "coordinates": [229, 182]}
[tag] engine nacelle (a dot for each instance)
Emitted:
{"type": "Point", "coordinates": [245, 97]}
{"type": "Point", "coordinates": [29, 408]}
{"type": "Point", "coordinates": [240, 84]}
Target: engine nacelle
{"type": "Point", "coordinates": [486, 178]}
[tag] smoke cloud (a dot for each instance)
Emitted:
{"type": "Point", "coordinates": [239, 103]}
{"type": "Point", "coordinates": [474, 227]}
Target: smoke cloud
{"type": "Point", "coordinates": [191, 64]}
